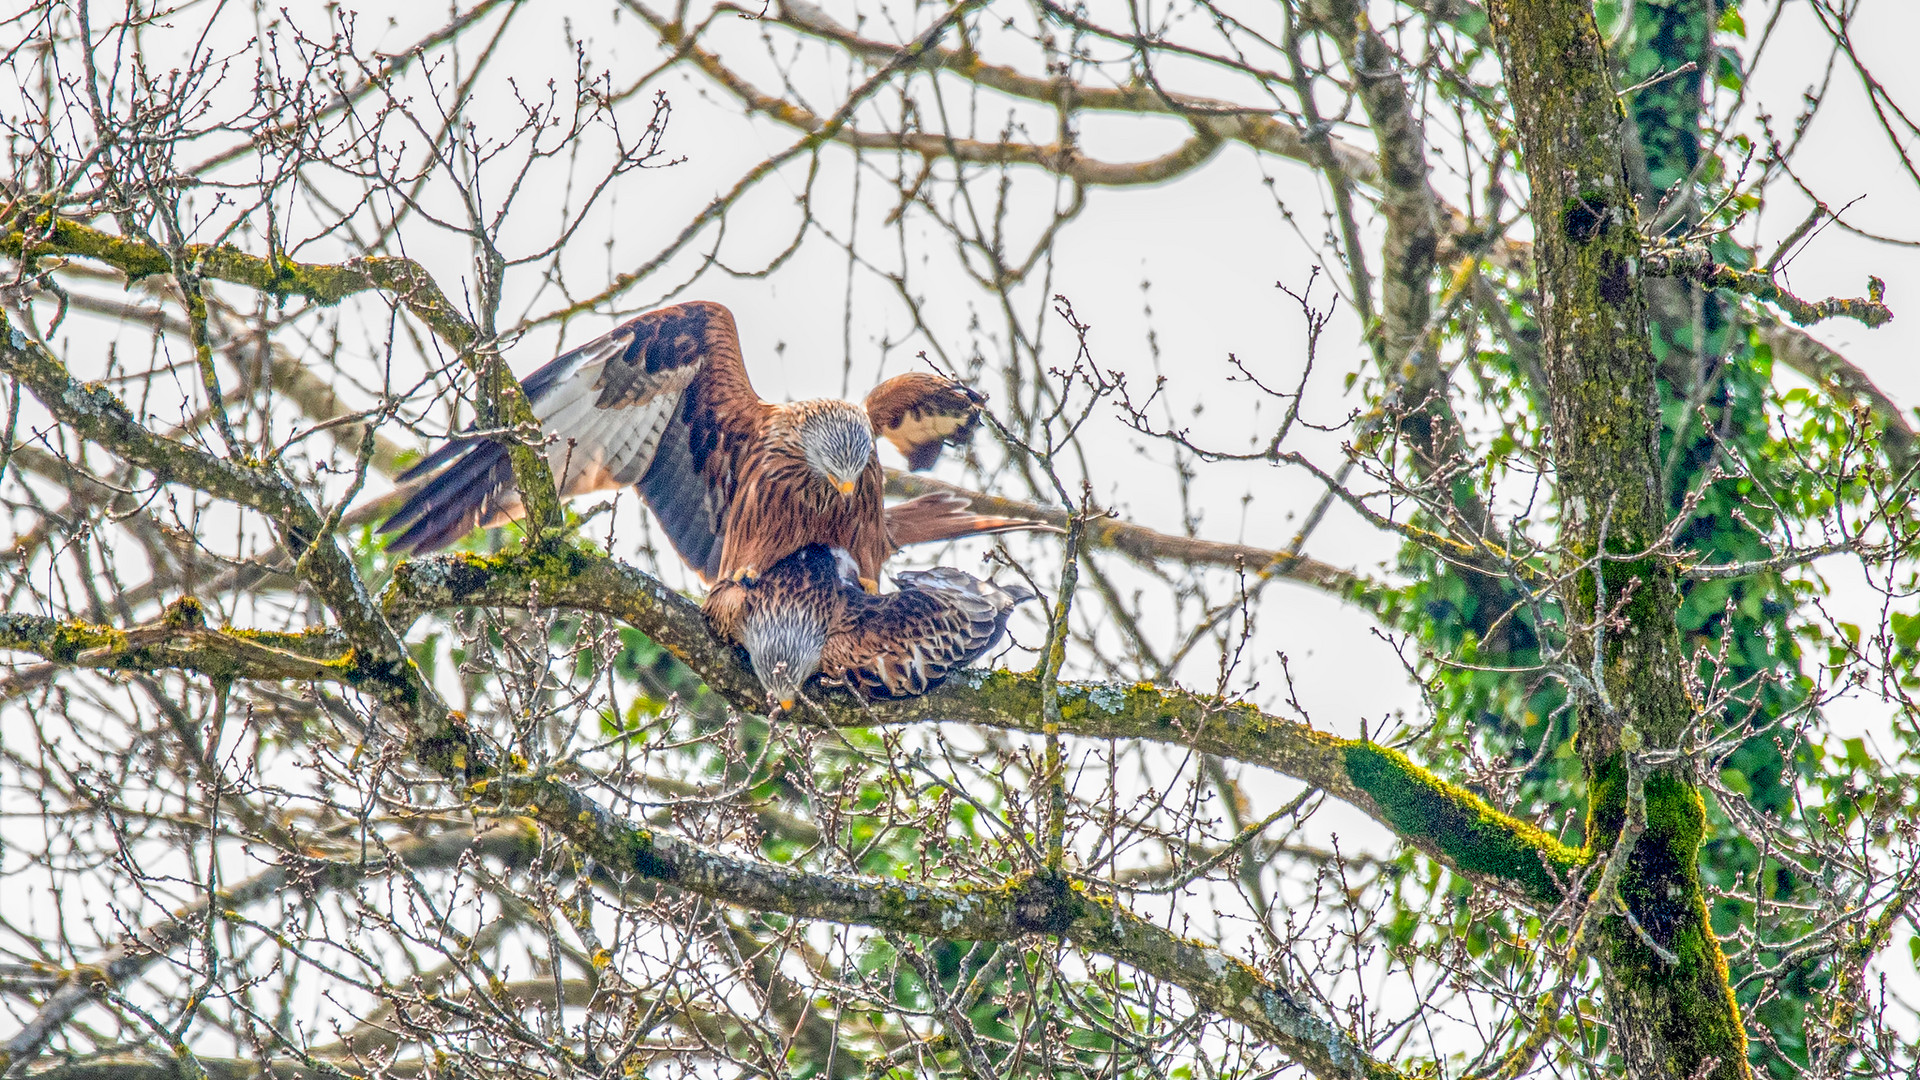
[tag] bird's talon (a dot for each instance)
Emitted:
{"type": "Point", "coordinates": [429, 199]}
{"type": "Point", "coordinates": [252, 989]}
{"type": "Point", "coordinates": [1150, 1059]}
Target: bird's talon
{"type": "Point", "coordinates": [871, 586]}
{"type": "Point", "coordinates": [746, 576]}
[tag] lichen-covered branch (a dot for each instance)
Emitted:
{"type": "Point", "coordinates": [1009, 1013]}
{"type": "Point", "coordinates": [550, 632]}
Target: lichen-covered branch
{"type": "Point", "coordinates": [441, 741]}
{"type": "Point", "coordinates": [1447, 822]}
{"type": "Point", "coordinates": [179, 639]}
{"type": "Point", "coordinates": [34, 236]}
{"type": "Point", "coordinates": [1696, 264]}
{"type": "Point", "coordinates": [1441, 819]}
{"type": "Point", "coordinates": [1674, 1018]}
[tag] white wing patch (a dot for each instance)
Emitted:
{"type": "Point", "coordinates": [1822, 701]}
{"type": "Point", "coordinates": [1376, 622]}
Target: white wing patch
{"type": "Point", "coordinates": [595, 449]}
{"type": "Point", "coordinates": [918, 429]}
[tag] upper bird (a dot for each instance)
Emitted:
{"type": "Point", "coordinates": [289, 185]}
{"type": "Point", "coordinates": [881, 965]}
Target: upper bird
{"type": "Point", "coordinates": [663, 402]}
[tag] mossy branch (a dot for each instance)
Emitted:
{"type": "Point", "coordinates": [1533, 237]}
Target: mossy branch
{"type": "Point", "coordinates": [1669, 1007]}
{"type": "Point", "coordinates": [407, 281]}
{"type": "Point", "coordinates": [1440, 819]}
{"type": "Point", "coordinates": [1377, 779]}
{"type": "Point", "coordinates": [441, 741]}
{"type": "Point", "coordinates": [186, 644]}
{"type": "Point", "coordinates": [1696, 264]}
{"type": "Point", "coordinates": [1026, 904]}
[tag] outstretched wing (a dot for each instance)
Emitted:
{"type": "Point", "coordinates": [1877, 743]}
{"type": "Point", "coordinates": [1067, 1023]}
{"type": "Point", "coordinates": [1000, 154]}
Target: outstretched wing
{"type": "Point", "coordinates": [906, 643]}
{"type": "Point", "coordinates": [607, 406]}
{"type": "Point", "coordinates": [920, 412]}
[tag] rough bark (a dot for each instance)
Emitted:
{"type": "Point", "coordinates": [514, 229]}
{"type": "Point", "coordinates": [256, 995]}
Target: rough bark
{"type": "Point", "coordinates": [1668, 1000]}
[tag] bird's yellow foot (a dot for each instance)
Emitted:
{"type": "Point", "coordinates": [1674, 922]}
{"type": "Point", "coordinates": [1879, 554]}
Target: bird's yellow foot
{"type": "Point", "coordinates": [872, 586]}
{"type": "Point", "coordinates": [746, 575]}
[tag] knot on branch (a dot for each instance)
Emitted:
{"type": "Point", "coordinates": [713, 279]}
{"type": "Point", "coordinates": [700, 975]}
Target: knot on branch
{"type": "Point", "coordinates": [185, 613]}
{"type": "Point", "coordinates": [1044, 903]}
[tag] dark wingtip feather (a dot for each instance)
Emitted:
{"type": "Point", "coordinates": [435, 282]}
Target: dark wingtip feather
{"type": "Point", "coordinates": [456, 500]}
{"type": "Point", "coordinates": [924, 457]}
{"type": "Point", "coordinates": [446, 452]}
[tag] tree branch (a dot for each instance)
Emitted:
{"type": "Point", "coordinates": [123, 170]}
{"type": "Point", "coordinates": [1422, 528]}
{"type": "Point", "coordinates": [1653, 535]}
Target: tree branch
{"type": "Point", "coordinates": [507, 840]}
{"type": "Point", "coordinates": [180, 639]}
{"type": "Point", "coordinates": [97, 415]}
{"type": "Point", "coordinates": [1440, 819]}
{"type": "Point", "coordinates": [1697, 264]}
{"type": "Point", "coordinates": [405, 280]}
{"type": "Point", "coordinates": [1025, 904]}
{"type": "Point", "coordinates": [1060, 158]}
{"type": "Point", "coordinates": [1148, 545]}
{"type": "Point", "coordinates": [1453, 824]}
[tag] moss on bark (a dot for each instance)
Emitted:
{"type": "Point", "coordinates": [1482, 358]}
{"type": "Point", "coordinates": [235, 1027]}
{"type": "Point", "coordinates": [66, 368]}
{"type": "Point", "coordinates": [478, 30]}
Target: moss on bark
{"type": "Point", "coordinates": [1668, 998]}
{"type": "Point", "coordinates": [1468, 834]}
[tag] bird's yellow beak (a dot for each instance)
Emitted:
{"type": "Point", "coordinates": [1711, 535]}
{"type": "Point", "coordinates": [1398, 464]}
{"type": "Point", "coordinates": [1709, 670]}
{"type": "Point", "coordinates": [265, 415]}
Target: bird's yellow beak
{"type": "Point", "coordinates": [847, 487]}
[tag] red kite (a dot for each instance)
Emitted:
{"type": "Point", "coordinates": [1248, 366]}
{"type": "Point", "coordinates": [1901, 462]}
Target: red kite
{"type": "Point", "coordinates": [663, 402]}
{"type": "Point", "coordinates": [808, 615]}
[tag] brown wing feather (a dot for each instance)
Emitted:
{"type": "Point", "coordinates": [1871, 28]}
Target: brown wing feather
{"type": "Point", "coordinates": [908, 642]}
{"type": "Point", "coordinates": [901, 644]}
{"type": "Point", "coordinates": [708, 448]}
{"type": "Point", "coordinates": [920, 412]}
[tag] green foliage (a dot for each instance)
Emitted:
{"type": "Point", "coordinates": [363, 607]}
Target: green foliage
{"type": "Point", "coordinates": [1747, 460]}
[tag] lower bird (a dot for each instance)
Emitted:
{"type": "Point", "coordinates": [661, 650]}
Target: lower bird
{"type": "Point", "coordinates": [808, 615]}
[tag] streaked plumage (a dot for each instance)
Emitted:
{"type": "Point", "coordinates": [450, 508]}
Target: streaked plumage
{"type": "Point", "coordinates": [663, 402]}
{"type": "Point", "coordinates": [807, 615]}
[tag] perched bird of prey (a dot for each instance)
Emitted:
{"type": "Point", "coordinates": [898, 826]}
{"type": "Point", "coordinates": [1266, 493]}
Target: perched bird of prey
{"type": "Point", "coordinates": [663, 402]}
{"type": "Point", "coordinates": [808, 615]}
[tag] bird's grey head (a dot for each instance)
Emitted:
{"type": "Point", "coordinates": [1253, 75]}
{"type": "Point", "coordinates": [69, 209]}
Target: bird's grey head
{"type": "Point", "coordinates": [837, 437]}
{"type": "Point", "coordinates": [784, 644]}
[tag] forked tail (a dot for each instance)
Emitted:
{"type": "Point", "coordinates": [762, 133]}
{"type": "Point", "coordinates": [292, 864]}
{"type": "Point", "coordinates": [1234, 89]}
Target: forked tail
{"type": "Point", "coordinates": [943, 516]}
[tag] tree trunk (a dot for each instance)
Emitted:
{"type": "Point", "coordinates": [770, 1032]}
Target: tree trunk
{"type": "Point", "coordinates": [1668, 1000]}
